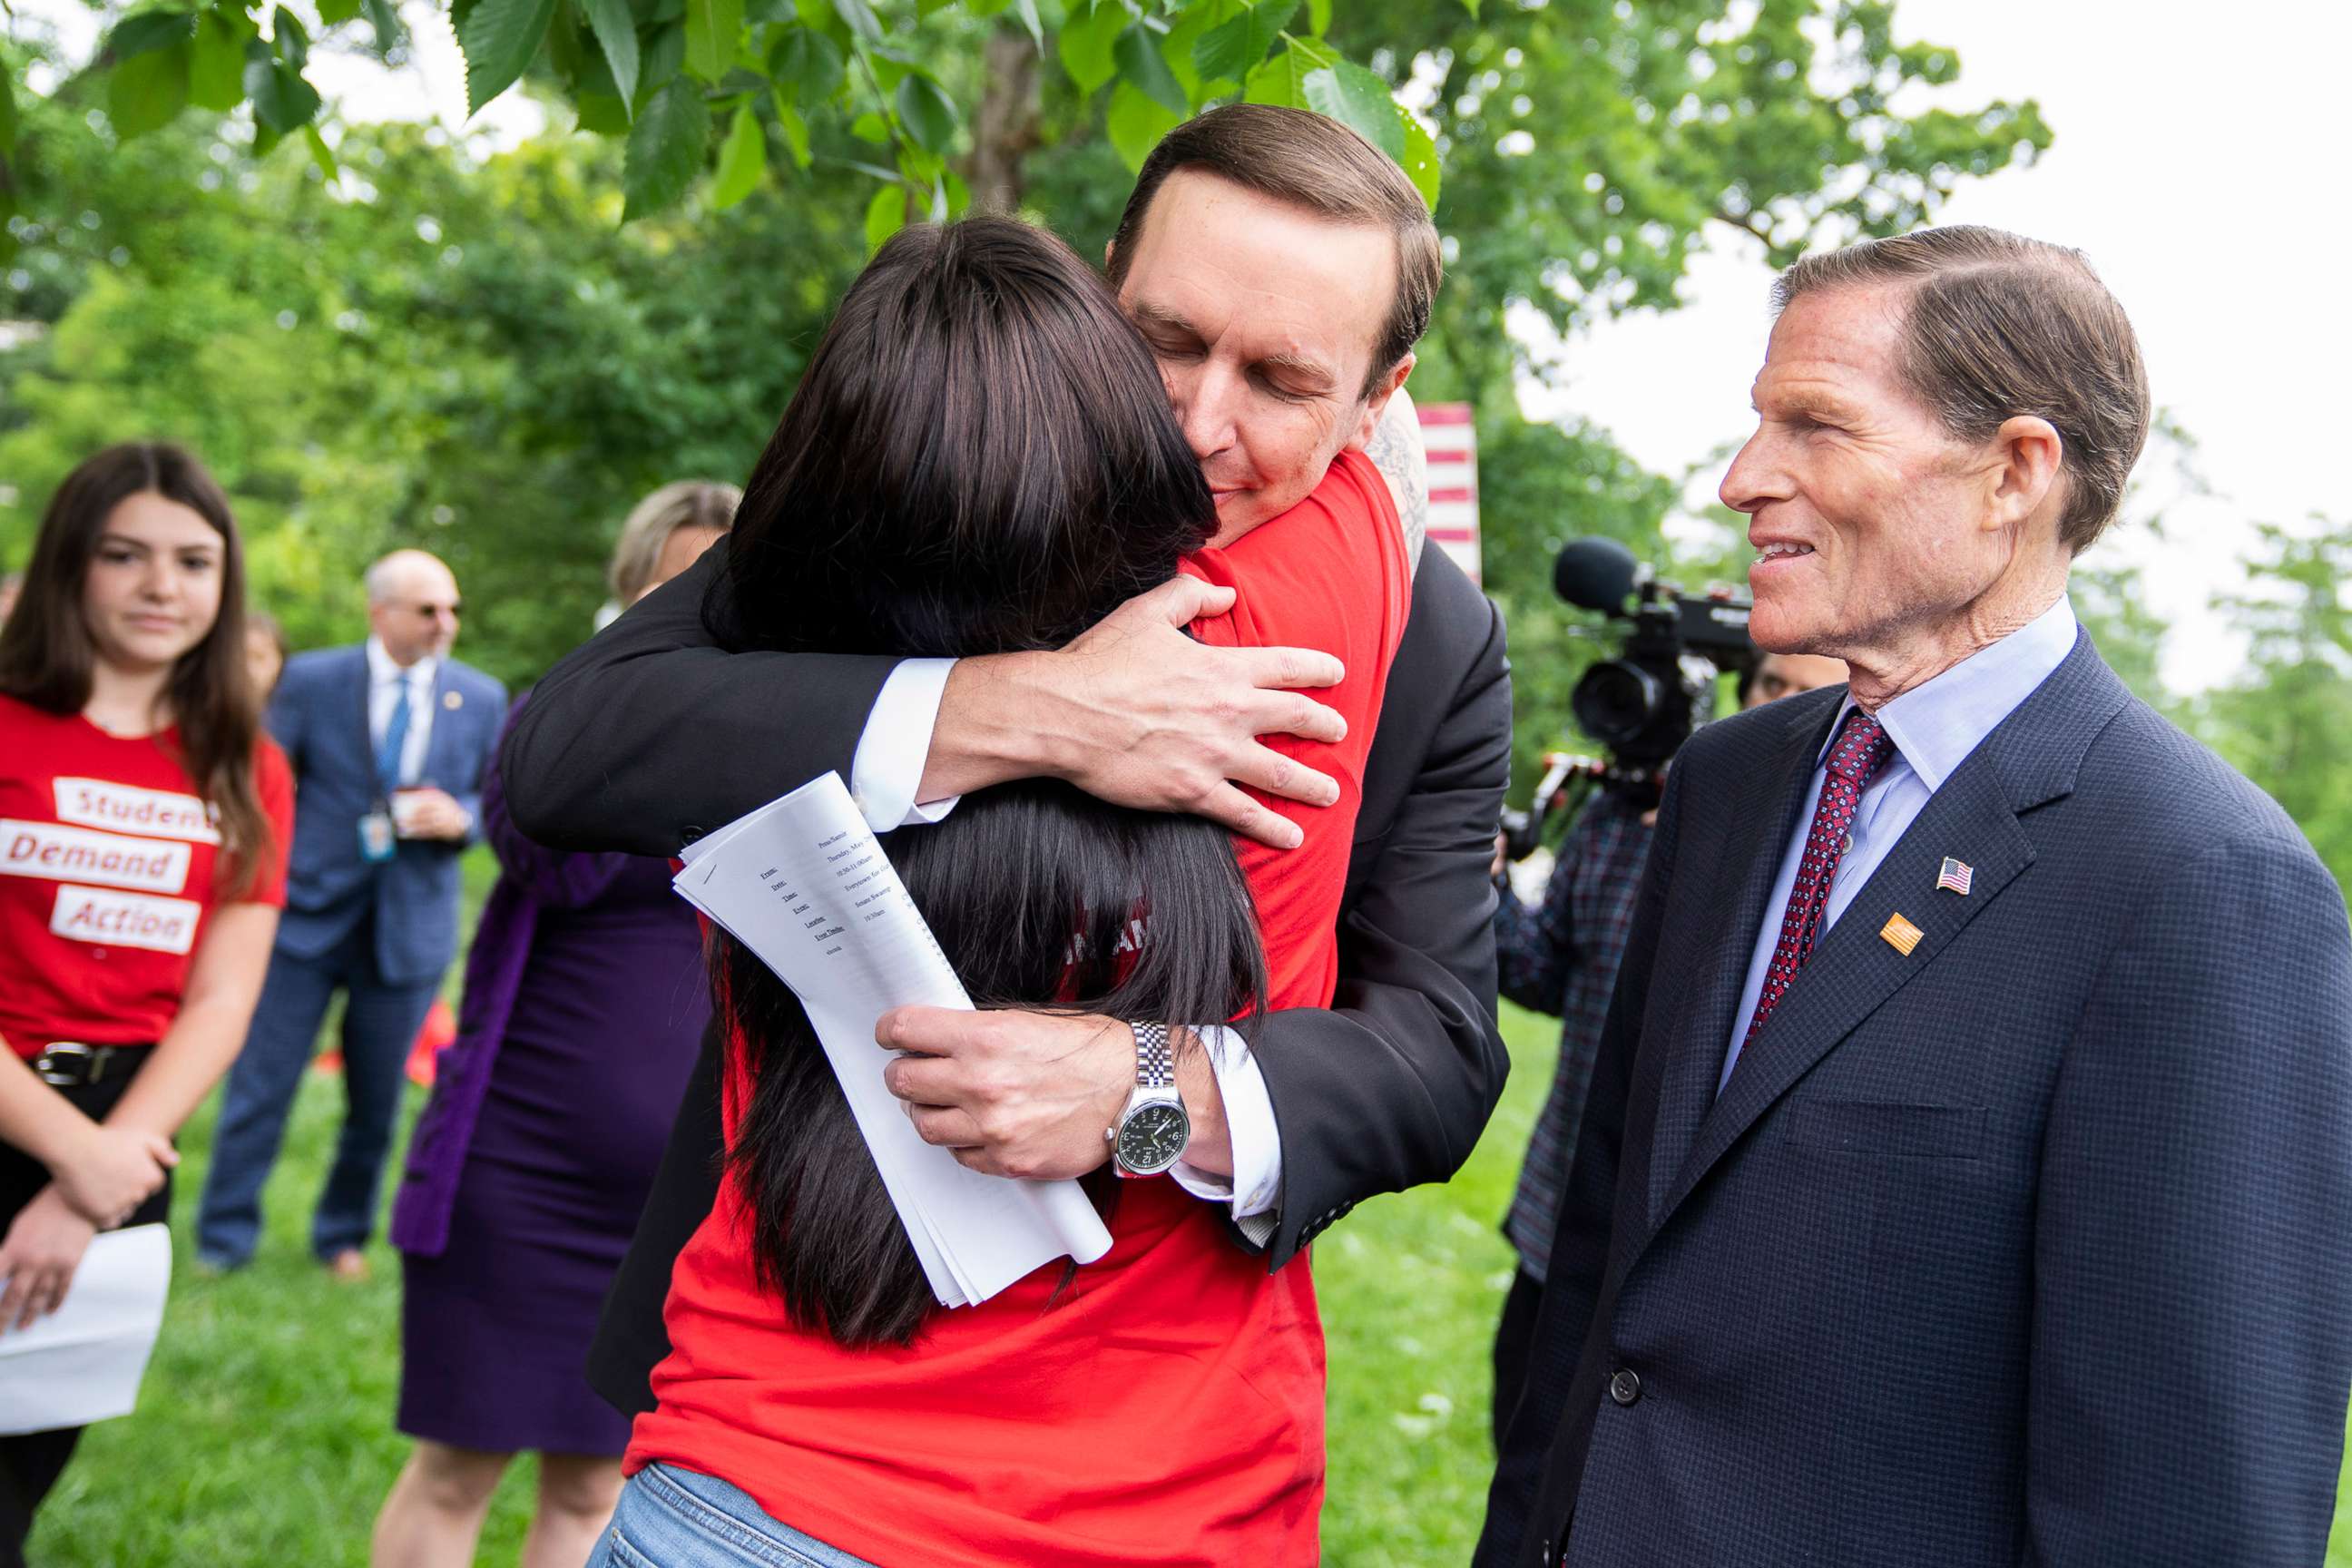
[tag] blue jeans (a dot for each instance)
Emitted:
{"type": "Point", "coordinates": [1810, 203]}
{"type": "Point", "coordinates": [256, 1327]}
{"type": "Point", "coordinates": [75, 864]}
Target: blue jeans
{"type": "Point", "coordinates": [380, 1023]}
{"type": "Point", "coordinates": [670, 1518]}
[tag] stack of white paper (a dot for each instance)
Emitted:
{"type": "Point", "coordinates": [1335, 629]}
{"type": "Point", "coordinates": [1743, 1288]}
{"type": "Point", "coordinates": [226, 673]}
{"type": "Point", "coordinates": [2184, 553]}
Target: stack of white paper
{"type": "Point", "coordinates": [83, 1361]}
{"type": "Point", "coordinates": [803, 884]}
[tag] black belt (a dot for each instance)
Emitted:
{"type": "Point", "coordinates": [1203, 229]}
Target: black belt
{"type": "Point", "coordinates": [69, 1064]}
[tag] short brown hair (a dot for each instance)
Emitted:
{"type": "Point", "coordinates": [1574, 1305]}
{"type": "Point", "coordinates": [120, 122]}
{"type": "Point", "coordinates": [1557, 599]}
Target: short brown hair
{"type": "Point", "coordinates": [1999, 325]}
{"type": "Point", "coordinates": [1309, 161]}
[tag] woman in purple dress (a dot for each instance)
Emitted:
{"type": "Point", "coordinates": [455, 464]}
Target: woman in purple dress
{"type": "Point", "coordinates": [584, 1005]}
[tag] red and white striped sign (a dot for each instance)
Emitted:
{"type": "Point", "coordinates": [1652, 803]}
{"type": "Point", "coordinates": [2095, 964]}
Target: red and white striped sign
{"type": "Point", "coordinates": [1451, 443]}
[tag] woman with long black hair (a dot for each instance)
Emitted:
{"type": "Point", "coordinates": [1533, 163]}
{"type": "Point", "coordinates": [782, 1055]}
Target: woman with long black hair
{"type": "Point", "coordinates": [980, 458]}
{"type": "Point", "coordinates": [144, 862]}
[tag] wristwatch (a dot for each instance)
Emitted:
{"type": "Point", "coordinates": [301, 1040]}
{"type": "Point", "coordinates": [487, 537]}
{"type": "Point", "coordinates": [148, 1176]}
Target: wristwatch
{"type": "Point", "coordinates": [1153, 1128]}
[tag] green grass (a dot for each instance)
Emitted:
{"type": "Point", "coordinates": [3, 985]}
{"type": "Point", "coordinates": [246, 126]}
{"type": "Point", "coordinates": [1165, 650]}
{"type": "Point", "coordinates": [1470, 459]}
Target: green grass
{"type": "Point", "coordinates": [264, 1434]}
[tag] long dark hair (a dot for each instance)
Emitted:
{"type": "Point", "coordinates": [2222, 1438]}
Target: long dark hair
{"type": "Point", "coordinates": [46, 653]}
{"type": "Point", "coordinates": [979, 459]}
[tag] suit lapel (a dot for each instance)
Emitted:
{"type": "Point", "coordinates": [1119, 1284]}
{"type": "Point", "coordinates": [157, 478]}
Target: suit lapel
{"type": "Point", "coordinates": [1856, 969]}
{"type": "Point", "coordinates": [1741, 882]}
{"type": "Point", "coordinates": [365, 679]}
{"type": "Point", "coordinates": [2030, 758]}
{"type": "Point", "coordinates": [439, 738]}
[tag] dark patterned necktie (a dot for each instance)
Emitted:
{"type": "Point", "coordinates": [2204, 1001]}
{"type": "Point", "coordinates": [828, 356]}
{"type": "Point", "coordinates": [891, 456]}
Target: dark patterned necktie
{"type": "Point", "coordinates": [1862, 749]}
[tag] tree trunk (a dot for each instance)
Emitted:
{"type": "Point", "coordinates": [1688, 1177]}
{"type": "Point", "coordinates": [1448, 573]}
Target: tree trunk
{"type": "Point", "coordinates": [1004, 126]}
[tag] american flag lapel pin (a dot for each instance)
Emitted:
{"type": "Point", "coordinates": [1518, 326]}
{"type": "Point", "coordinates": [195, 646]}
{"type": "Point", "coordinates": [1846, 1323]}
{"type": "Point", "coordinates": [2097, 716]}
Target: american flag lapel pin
{"type": "Point", "coordinates": [1901, 934]}
{"type": "Point", "coordinates": [1954, 877]}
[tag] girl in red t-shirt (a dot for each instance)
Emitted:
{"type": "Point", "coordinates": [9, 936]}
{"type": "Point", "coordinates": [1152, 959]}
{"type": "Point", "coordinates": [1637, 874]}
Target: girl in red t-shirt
{"type": "Point", "coordinates": [144, 822]}
{"type": "Point", "coordinates": [981, 459]}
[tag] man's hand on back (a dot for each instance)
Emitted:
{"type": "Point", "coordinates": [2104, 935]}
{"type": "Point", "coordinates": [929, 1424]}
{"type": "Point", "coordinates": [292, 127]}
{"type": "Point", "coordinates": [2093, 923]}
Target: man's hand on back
{"type": "Point", "coordinates": [1136, 713]}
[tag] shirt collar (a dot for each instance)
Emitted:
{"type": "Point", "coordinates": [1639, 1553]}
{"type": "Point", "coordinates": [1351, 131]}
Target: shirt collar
{"type": "Point", "coordinates": [1935, 725]}
{"type": "Point", "coordinates": [382, 671]}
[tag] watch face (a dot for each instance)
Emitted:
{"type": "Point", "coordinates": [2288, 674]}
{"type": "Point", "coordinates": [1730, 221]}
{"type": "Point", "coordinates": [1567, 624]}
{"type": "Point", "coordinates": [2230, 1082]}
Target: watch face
{"type": "Point", "coordinates": [1153, 1137]}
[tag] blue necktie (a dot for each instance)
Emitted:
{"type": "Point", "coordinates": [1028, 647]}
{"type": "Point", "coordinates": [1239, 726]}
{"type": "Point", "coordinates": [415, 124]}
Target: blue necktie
{"type": "Point", "coordinates": [395, 741]}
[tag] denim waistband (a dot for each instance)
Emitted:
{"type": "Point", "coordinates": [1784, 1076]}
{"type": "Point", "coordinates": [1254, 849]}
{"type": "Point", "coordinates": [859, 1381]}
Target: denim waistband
{"type": "Point", "coordinates": [673, 1517]}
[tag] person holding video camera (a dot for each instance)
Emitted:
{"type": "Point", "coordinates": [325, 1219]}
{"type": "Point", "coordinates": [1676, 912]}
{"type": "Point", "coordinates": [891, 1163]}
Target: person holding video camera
{"type": "Point", "coordinates": [1561, 957]}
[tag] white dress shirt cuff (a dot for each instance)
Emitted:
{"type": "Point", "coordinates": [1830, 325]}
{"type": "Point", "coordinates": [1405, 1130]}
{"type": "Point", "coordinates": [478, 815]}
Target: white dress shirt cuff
{"type": "Point", "coordinates": [889, 766]}
{"type": "Point", "coordinates": [1255, 1186]}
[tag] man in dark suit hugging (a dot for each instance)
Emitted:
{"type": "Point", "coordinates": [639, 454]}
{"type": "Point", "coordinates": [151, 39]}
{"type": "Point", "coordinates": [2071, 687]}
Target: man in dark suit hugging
{"type": "Point", "coordinates": [1971, 1134]}
{"type": "Point", "coordinates": [656, 732]}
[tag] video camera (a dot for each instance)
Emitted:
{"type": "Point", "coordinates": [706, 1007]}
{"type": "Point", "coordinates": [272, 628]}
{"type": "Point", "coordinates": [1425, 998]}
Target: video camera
{"type": "Point", "coordinates": [1642, 704]}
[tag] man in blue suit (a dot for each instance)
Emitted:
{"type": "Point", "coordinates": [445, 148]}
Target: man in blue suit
{"type": "Point", "coordinates": [389, 741]}
{"type": "Point", "coordinates": [1968, 1156]}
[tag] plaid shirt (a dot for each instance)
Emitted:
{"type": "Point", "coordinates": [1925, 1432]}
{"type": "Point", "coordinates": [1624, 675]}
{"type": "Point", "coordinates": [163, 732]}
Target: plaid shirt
{"type": "Point", "coordinates": [1561, 958]}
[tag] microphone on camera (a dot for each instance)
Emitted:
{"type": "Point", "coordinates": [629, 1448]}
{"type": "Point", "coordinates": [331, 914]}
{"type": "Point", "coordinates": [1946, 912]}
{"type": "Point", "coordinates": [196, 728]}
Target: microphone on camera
{"type": "Point", "coordinates": [1596, 574]}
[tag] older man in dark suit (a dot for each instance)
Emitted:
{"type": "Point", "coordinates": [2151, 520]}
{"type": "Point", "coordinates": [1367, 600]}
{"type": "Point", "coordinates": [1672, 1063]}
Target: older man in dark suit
{"type": "Point", "coordinates": [1971, 1135]}
{"type": "Point", "coordinates": [390, 739]}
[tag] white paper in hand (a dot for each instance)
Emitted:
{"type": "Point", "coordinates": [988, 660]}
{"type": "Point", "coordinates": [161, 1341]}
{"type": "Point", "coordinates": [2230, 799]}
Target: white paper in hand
{"type": "Point", "coordinates": [83, 1361]}
{"type": "Point", "coordinates": [803, 885]}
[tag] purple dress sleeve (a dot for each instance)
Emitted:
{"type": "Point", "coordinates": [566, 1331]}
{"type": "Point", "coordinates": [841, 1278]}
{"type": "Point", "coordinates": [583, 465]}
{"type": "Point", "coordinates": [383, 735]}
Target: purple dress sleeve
{"type": "Point", "coordinates": [553, 877]}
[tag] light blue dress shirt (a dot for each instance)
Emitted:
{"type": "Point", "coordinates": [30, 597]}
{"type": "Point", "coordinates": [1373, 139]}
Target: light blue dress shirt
{"type": "Point", "coordinates": [1934, 727]}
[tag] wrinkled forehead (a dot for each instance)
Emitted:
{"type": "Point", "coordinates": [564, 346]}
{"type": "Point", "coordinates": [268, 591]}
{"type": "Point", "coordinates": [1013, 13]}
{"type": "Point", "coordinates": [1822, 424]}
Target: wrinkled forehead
{"type": "Point", "coordinates": [1831, 347]}
{"type": "Point", "coordinates": [1268, 276]}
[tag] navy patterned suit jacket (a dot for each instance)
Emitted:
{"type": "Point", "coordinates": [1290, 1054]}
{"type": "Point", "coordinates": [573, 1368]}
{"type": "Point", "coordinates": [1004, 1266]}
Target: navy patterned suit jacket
{"type": "Point", "coordinates": [2019, 1248]}
{"type": "Point", "coordinates": [320, 714]}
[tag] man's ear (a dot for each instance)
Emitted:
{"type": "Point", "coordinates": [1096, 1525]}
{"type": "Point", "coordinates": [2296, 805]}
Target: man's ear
{"type": "Point", "coordinates": [1377, 404]}
{"type": "Point", "coordinates": [2028, 454]}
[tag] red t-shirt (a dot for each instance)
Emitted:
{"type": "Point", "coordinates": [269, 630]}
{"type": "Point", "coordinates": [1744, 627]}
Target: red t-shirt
{"type": "Point", "coordinates": [109, 864]}
{"type": "Point", "coordinates": [1166, 1407]}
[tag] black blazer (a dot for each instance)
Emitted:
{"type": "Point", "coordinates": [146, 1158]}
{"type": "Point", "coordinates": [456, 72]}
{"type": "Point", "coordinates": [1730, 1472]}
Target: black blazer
{"type": "Point", "coordinates": [650, 735]}
{"type": "Point", "coordinates": [2020, 1249]}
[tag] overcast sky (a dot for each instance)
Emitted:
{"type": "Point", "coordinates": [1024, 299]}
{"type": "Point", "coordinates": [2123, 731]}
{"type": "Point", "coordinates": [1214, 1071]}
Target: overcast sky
{"type": "Point", "coordinates": [2200, 166]}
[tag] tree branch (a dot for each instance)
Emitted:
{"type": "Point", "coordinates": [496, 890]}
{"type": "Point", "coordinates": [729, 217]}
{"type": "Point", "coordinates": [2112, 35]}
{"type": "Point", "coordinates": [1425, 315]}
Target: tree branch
{"type": "Point", "coordinates": [1746, 225]}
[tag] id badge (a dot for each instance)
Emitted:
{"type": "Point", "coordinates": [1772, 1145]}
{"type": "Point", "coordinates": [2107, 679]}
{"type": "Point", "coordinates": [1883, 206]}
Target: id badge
{"type": "Point", "coordinates": [377, 842]}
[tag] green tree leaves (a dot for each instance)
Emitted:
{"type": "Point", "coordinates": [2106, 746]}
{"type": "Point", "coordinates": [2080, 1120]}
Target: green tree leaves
{"type": "Point", "coordinates": [1230, 48]}
{"type": "Point", "coordinates": [667, 143]}
{"type": "Point", "coordinates": [1086, 42]}
{"type": "Point", "coordinates": [150, 83]}
{"type": "Point", "coordinates": [615, 27]}
{"type": "Point", "coordinates": [743, 160]}
{"type": "Point", "coordinates": [1135, 124]}
{"type": "Point", "coordinates": [147, 89]}
{"type": "Point", "coordinates": [1358, 100]}
{"type": "Point", "coordinates": [504, 407]}
{"type": "Point", "coordinates": [895, 74]}
{"type": "Point", "coordinates": [145, 31]}
{"type": "Point", "coordinates": [1140, 67]}
{"type": "Point", "coordinates": [2287, 720]}
{"type": "Point", "coordinates": [860, 18]}
{"type": "Point", "coordinates": [1281, 80]}
{"type": "Point", "coordinates": [499, 38]}
{"type": "Point", "coordinates": [806, 66]}
{"type": "Point", "coordinates": [283, 102]}
{"type": "Point", "coordinates": [1420, 160]}
{"type": "Point", "coordinates": [885, 215]}
{"type": "Point", "coordinates": [713, 37]}
{"type": "Point", "coordinates": [216, 59]}
{"type": "Point", "coordinates": [927, 111]}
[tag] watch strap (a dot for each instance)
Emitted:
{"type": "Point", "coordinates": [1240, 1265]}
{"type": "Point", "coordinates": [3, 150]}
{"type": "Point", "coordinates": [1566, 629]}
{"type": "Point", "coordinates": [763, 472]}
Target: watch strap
{"type": "Point", "coordinates": [1155, 1057]}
